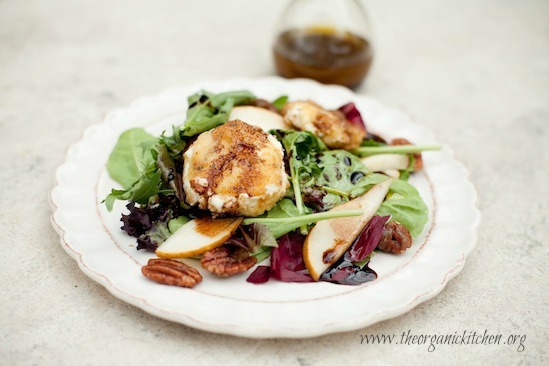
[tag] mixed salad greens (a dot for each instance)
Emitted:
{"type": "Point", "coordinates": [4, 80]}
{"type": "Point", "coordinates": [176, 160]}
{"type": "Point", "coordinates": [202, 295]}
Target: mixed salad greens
{"type": "Point", "coordinates": [149, 170]}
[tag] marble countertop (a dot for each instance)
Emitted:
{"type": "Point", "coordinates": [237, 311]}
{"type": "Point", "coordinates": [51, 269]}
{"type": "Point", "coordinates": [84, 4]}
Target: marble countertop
{"type": "Point", "coordinates": [475, 72]}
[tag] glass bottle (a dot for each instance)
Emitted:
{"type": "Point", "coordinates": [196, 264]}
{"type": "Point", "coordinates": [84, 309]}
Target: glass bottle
{"type": "Point", "coordinates": [325, 40]}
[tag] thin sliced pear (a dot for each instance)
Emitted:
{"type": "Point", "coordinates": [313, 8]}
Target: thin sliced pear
{"type": "Point", "coordinates": [260, 117]}
{"type": "Point", "coordinates": [330, 239]}
{"type": "Point", "coordinates": [380, 162]}
{"type": "Point", "coordinates": [198, 236]}
{"type": "Point", "coordinates": [393, 173]}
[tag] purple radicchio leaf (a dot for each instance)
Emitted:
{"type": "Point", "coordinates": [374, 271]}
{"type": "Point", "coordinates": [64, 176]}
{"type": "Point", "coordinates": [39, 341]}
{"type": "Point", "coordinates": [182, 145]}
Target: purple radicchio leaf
{"type": "Point", "coordinates": [144, 221]}
{"type": "Point", "coordinates": [347, 271]}
{"type": "Point", "coordinates": [253, 238]}
{"type": "Point", "coordinates": [137, 222]}
{"type": "Point", "coordinates": [237, 239]}
{"type": "Point", "coordinates": [260, 275]}
{"type": "Point", "coordinates": [353, 115]}
{"type": "Point", "coordinates": [367, 240]}
{"type": "Point", "coordinates": [287, 259]}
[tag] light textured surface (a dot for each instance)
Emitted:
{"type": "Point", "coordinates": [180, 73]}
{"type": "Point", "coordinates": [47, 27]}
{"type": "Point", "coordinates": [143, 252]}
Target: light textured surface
{"type": "Point", "coordinates": [476, 72]}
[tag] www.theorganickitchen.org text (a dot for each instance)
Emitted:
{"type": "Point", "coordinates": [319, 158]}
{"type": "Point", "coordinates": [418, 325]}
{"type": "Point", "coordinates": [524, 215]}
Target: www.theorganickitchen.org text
{"type": "Point", "coordinates": [458, 338]}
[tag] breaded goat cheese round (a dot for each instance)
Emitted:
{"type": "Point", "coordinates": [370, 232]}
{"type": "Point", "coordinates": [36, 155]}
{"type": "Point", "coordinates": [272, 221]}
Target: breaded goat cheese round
{"type": "Point", "coordinates": [235, 169]}
{"type": "Point", "coordinates": [330, 126]}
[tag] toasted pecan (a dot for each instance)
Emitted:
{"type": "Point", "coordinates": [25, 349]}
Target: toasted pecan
{"type": "Point", "coordinates": [395, 238]}
{"type": "Point", "coordinates": [171, 272]}
{"type": "Point", "coordinates": [226, 261]}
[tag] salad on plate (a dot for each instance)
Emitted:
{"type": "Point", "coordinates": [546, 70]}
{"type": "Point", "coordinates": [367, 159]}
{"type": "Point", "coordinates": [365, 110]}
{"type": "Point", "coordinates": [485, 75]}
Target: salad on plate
{"type": "Point", "coordinates": [283, 190]}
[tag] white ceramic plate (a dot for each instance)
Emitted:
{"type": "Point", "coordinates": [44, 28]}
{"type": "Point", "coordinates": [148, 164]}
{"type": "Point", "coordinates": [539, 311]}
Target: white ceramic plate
{"type": "Point", "coordinates": [92, 235]}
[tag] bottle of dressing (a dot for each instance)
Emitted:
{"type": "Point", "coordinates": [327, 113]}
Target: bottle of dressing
{"type": "Point", "coordinates": [324, 40]}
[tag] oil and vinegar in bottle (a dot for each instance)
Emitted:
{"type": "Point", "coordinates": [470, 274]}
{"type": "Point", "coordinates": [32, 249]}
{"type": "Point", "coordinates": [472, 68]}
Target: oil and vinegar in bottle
{"type": "Point", "coordinates": [325, 40]}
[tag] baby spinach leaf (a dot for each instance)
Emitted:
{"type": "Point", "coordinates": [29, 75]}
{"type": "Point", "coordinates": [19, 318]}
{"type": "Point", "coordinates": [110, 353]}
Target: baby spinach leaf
{"type": "Point", "coordinates": [403, 202]}
{"type": "Point", "coordinates": [130, 156]}
{"type": "Point", "coordinates": [340, 174]}
{"type": "Point", "coordinates": [405, 205]}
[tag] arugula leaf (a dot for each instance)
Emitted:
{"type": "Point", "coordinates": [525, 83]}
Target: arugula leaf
{"type": "Point", "coordinates": [300, 147]}
{"type": "Point", "coordinates": [280, 102]}
{"type": "Point", "coordinates": [146, 186]}
{"type": "Point", "coordinates": [169, 173]}
{"type": "Point", "coordinates": [372, 142]}
{"type": "Point", "coordinates": [283, 208]}
{"type": "Point", "coordinates": [300, 144]}
{"type": "Point", "coordinates": [236, 97]}
{"type": "Point", "coordinates": [393, 149]}
{"type": "Point", "coordinates": [174, 143]}
{"type": "Point", "coordinates": [283, 225]}
{"type": "Point", "coordinates": [130, 156]}
{"type": "Point", "coordinates": [208, 110]}
{"type": "Point", "coordinates": [202, 118]}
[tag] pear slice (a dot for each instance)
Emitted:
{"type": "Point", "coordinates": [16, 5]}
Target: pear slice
{"type": "Point", "coordinates": [198, 236]}
{"type": "Point", "coordinates": [381, 162]}
{"type": "Point", "coordinates": [393, 173]}
{"type": "Point", "coordinates": [330, 239]}
{"type": "Point", "coordinates": [260, 117]}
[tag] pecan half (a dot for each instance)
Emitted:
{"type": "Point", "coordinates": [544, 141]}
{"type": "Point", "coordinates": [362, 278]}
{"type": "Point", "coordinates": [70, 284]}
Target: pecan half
{"type": "Point", "coordinates": [171, 272]}
{"type": "Point", "coordinates": [226, 261]}
{"type": "Point", "coordinates": [395, 238]}
{"type": "Point", "coordinates": [418, 160]}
